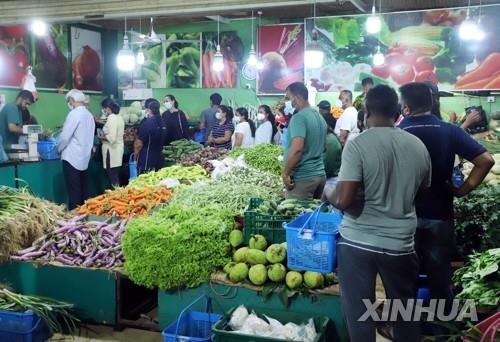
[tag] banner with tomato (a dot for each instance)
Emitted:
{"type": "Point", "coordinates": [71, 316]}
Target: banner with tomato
{"type": "Point", "coordinates": [232, 49]}
{"type": "Point", "coordinates": [417, 46]}
{"type": "Point", "coordinates": [14, 55]}
{"type": "Point", "coordinates": [49, 55]}
{"type": "Point", "coordinates": [282, 51]}
{"type": "Point", "coordinates": [87, 65]}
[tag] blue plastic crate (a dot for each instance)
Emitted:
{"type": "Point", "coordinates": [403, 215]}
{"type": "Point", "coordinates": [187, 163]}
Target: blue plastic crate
{"type": "Point", "coordinates": [191, 326]}
{"type": "Point", "coordinates": [311, 241]}
{"type": "Point", "coordinates": [22, 327]}
{"type": "Point", "coordinates": [48, 150]}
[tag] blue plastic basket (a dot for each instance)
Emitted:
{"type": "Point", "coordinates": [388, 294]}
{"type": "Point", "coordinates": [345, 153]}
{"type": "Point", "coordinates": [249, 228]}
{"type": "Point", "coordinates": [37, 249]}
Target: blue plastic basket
{"type": "Point", "coordinates": [22, 327]}
{"type": "Point", "coordinates": [311, 241]}
{"type": "Point", "coordinates": [48, 150]}
{"type": "Point", "coordinates": [200, 136]}
{"type": "Point", "coordinates": [192, 326]}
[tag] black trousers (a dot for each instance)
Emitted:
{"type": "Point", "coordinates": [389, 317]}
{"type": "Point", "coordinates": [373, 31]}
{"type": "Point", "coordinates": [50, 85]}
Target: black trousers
{"type": "Point", "coordinates": [357, 270]}
{"type": "Point", "coordinates": [76, 185]}
{"type": "Point", "coordinates": [112, 172]}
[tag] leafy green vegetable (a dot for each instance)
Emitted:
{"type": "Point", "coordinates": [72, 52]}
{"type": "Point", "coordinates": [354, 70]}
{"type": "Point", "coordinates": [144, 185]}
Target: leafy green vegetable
{"type": "Point", "coordinates": [262, 157]}
{"type": "Point", "coordinates": [243, 175]}
{"type": "Point", "coordinates": [178, 246]}
{"type": "Point", "coordinates": [477, 220]}
{"type": "Point", "coordinates": [480, 279]}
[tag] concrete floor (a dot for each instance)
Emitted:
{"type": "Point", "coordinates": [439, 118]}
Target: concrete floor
{"type": "Point", "coordinates": [107, 334]}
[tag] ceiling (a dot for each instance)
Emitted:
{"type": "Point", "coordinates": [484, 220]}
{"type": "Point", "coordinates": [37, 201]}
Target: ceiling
{"type": "Point", "coordinates": [111, 13]}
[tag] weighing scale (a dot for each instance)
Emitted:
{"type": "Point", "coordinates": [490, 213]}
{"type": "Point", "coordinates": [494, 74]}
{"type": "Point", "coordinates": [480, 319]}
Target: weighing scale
{"type": "Point", "coordinates": [29, 150]}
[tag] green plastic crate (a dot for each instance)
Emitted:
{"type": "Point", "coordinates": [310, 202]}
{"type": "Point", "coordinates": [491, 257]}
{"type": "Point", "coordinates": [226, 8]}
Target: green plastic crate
{"type": "Point", "coordinates": [323, 325]}
{"type": "Point", "coordinates": [270, 226]}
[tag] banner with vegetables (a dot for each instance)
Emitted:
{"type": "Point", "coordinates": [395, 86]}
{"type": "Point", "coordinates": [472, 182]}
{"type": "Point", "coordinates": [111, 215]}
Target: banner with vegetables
{"type": "Point", "coordinates": [14, 57]}
{"type": "Point", "coordinates": [49, 58]}
{"type": "Point", "coordinates": [183, 60]}
{"type": "Point", "coordinates": [232, 49]}
{"type": "Point", "coordinates": [154, 70]}
{"type": "Point", "coordinates": [87, 64]}
{"type": "Point", "coordinates": [282, 51]}
{"type": "Point", "coordinates": [418, 46]}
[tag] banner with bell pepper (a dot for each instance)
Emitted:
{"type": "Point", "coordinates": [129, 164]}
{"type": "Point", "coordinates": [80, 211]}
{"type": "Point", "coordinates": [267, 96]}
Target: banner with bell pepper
{"type": "Point", "coordinates": [417, 46]}
{"type": "Point", "coordinates": [183, 60]}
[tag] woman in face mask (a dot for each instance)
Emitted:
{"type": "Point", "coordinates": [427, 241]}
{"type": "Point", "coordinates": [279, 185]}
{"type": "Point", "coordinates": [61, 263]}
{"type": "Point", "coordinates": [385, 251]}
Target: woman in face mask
{"type": "Point", "coordinates": [150, 139]}
{"type": "Point", "coordinates": [244, 134]}
{"type": "Point", "coordinates": [222, 131]}
{"type": "Point", "coordinates": [175, 120]}
{"type": "Point", "coordinates": [112, 141]}
{"type": "Point", "coordinates": [267, 132]}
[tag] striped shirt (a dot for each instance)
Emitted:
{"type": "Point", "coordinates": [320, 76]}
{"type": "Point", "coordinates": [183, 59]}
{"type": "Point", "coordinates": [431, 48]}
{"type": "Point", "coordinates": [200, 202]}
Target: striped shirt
{"type": "Point", "coordinates": [218, 131]}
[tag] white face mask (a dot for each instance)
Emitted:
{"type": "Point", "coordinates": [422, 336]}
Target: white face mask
{"type": "Point", "coordinates": [338, 103]}
{"type": "Point", "coordinates": [168, 105]}
{"type": "Point", "coordinates": [261, 117]}
{"type": "Point", "coordinates": [70, 106]}
{"type": "Point", "coordinates": [218, 116]}
{"type": "Point", "coordinates": [144, 114]}
{"type": "Point", "coordinates": [237, 119]}
{"type": "Point", "coordinates": [104, 113]}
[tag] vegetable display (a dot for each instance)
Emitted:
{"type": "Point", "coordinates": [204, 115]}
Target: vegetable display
{"type": "Point", "coordinates": [493, 177]}
{"type": "Point", "coordinates": [232, 196]}
{"type": "Point", "coordinates": [126, 202]}
{"type": "Point", "coordinates": [23, 219]}
{"type": "Point", "coordinates": [480, 279]}
{"type": "Point", "coordinates": [51, 311]}
{"type": "Point", "coordinates": [179, 149]}
{"type": "Point", "coordinates": [264, 157]}
{"type": "Point", "coordinates": [185, 175]}
{"type": "Point", "coordinates": [203, 158]}
{"type": "Point", "coordinates": [290, 207]}
{"type": "Point", "coordinates": [79, 243]}
{"type": "Point", "coordinates": [177, 246]}
{"type": "Point", "coordinates": [477, 220]}
{"type": "Point", "coordinates": [244, 175]}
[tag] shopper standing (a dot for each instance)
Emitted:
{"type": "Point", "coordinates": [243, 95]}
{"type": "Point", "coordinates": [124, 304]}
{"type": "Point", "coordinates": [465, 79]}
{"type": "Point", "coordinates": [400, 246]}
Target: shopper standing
{"type": "Point", "coordinates": [435, 232]}
{"type": "Point", "coordinates": [207, 117]}
{"type": "Point", "coordinates": [175, 121]}
{"type": "Point", "coordinates": [75, 145]}
{"type": "Point", "coordinates": [112, 141]}
{"type": "Point", "coordinates": [325, 109]}
{"type": "Point", "coordinates": [332, 158]}
{"type": "Point", "coordinates": [382, 170]}
{"type": "Point", "coordinates": [267, 132]}
{"type": "Point", "coordinates": [222, 131]}
{"type": "Point", "coordinates": [366, 84]}
{"type": "Point", "coordinates": [347, 125]}
{"type": "Point", "coordinates": [304, 172]}
{"type": "Point", "coordinates": [11, 117]}
{"type": "Point", "coordinates": [244, 133]}
{"type": "Point", "coordinates": [150, 139]}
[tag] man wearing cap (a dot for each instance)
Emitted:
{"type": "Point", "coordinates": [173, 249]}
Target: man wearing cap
{"type": "Point", "coordinates": [75, 146]}
{"type": "Point", "coordinates": [325, 109]}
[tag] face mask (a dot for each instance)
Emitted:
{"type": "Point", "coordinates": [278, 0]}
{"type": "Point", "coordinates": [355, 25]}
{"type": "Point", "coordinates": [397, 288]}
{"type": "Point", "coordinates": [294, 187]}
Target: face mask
{"type": "Point", "coordinates": [237, 119]}
{"type": "Point", "coordinates": [104, 113]}
{"type": "Point", "coordinates": [218, 116]}
{"type": "Point", "coordinates": [70, 106]}
{"type": "Point", "coordinates": [289, 108]}
{"type": "Point", "coordinates": [168, 105]}
{"type": "Point", "coordinates": [338, 104]}
{"type": "Point", "coordinates": [143, 113]}
{"type": "Point", "coordinates": [261, 117]}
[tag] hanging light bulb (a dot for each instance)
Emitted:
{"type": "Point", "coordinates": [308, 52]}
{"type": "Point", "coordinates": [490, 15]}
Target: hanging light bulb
{"type": "Point", "coordinates": [378, 58]}
{"type": "Point", "coordinates": [140, 56]}
{"type": "Point", "coordinates": [469, 30]}
{"type": "Point", "coordinates": [218, 63]}
{"type": "Point", "coordinates": [314, 55]}
{"type": "Point", "coordinates": [252, 56]}
{"type": "Point", "coordinates": [373, 22]}
{"type": "Point", "coordinates": [125, 60]}
{"type": "Point", "coordinates": [260, 62]}
{"type": "Point", "coordinates": [39, 28]}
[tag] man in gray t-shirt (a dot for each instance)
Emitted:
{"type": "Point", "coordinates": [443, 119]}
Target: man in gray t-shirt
{"type": "Point", "coordinates": [382, 171]}
{"type": "Point", "coordinates": [208, 116]}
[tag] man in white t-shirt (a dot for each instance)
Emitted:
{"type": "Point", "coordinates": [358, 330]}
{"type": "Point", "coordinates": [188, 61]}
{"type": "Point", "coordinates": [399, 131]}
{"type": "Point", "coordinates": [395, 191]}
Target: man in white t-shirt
{"type": "Point", "coordinates": [347, 124]}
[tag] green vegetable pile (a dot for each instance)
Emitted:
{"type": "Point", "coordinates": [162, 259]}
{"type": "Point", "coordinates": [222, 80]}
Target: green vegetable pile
{"type": "Point", "coordinates": [177, 246]}
{"type": "Point", "coordinates": [179, 149]}
{"type": "Point", "coordinates": [480, 279]}
{"type": "Point", "coordinates": [233, 196]}
{"type": "Point", "coordinates": [291, 207]}
{"type": "Point", "coordinates": [262, 157]}
{"type": "Point", "coordinates": [53, 312]}
{"type": "Point", "coordinates": [477, 220]}
{"type": "Point", "coordinates": [244, 175]}
{"type": "Point", "coordinates": [185, 175]}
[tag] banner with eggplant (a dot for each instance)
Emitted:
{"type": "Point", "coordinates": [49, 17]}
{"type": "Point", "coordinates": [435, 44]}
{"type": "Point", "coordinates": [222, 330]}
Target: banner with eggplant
{"type": "Point", "coordinates": [282, 51]}
{"type": "Point", "coordinates": [417, 46]}
{"type": "Point", "coordinates": [14, 55]}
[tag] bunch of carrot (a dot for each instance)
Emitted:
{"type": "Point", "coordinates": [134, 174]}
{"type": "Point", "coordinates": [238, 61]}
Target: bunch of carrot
{"type": "Point", "coordinates": [336, 112]}
{"type": "Point", "coordinates": [126, 202]}
{"type": "Point", "coordinates": [485, 76]}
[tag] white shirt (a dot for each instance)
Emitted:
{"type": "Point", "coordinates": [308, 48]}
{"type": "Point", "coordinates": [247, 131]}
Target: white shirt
{"type": "Point", "coordinates": [113, 129]}
{"type": "Point", "coordinates": [264, 133]}
{"type": "Point", "coordinates": [244, 128]}
{"type": "Point", "coordinates": [77, 138]}
{"type": "Point", "coordinates": [348, 121]}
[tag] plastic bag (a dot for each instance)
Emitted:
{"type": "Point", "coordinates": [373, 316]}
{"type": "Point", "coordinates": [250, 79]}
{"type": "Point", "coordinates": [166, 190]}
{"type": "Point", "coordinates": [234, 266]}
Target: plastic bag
{"type": "Point", "coordinates": [170, 183]}
{"type": "Point", "coordinates": [238, 318]}
{"type": "Point", "coordinates": [255, 326]}
{"type": "Point", "coordinates": [224, 166]}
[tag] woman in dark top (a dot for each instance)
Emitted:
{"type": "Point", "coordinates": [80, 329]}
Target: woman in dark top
{"type": "Point", "coordinates": [222, 131]}
{"type": "Point", "coordinates": [175, 121]}
{"type": "Point", "coordinates": [149, 143]}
